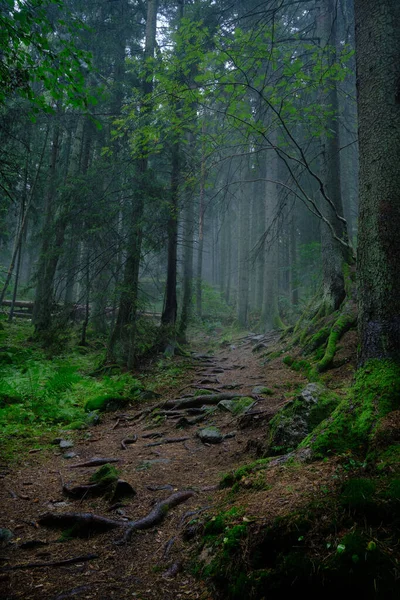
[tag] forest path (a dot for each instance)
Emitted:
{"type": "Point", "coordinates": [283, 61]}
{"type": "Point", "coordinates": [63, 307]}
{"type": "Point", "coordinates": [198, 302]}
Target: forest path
{"type": "Point", "coordinates": [154, 563]}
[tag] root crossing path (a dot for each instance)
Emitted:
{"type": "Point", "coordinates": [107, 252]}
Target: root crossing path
{"type": "Point", "coordinates": [140, 544]}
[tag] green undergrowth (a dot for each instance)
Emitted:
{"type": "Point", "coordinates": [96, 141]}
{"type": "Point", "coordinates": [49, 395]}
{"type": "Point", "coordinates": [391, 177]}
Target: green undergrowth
{"type": "Point", "coordinates": [302, 366]}
{"type": "Point", "coordinates": [39, 396]}
{"type": "Point", "coordinates": [229, 479]}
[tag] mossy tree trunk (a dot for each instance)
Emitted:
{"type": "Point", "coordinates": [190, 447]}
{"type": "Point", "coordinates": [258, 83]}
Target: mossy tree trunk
{"type": "Point", "coordinates": [378, 83]}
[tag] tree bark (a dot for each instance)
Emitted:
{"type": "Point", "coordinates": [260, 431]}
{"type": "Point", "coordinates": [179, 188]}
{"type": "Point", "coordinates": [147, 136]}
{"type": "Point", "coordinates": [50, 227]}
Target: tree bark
{"type": "Point", "coordinates": [378, 83]}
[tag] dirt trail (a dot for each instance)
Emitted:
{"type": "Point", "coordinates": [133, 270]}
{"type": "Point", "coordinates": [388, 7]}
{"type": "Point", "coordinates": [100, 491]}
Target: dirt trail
{"type": "Point", "coordinates": [152, 565]}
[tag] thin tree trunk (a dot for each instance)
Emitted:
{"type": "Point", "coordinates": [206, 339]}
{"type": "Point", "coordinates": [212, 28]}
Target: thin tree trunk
{"type": "Point", "coordinates": [243, 257]}
{"type": "Point", "coordinates": [188, 236]}
{"type": "Point", "coordinates": [334, 255]}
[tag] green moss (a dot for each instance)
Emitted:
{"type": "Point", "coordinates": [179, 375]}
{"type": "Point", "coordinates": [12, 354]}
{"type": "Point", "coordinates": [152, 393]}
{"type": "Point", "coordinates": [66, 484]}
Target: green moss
{"type": "Point", "coordinates": [392, 493]}
{"type": "Point", "coordinates": [389, 458]}
{"type": "Point", "coordinates": [295, 417]}
{"type": "Point", "coordinates": [106, 475]}
{"type": "Point", "coordinates": [358, 493]}
{"type": "Point", "coordinates": [203, 393]}
{"type": "Point", "coordinates": [301, 366]}
{"type": "Point", "coordinates": [230, 479]}
{"type": "Point", "coordinates": [106, 403]}
{"type": "Point", "coordinates": [339, 328]}
{"type": "Point", "coordinates": [77, 425]}
{"type": "Point", "coordinates": [351, 425]}
{"type": "Point", "coordinates": [317, 340]}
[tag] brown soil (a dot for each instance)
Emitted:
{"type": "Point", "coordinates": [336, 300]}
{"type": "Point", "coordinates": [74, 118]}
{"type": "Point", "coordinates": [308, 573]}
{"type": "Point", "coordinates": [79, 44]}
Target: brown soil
{"type": "Point", "coordinates": [137, 569]}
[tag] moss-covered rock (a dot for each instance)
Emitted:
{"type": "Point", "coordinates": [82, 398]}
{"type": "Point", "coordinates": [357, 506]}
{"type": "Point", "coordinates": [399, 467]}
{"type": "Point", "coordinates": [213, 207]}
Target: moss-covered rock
{"type": "Point", "coordinates": [106, 475]}
{"type": "Point", "coordinates": [298, 418]}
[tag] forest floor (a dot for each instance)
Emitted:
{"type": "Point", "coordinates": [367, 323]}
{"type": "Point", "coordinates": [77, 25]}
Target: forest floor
{"type": "Point", "coordinates": [156, 563]}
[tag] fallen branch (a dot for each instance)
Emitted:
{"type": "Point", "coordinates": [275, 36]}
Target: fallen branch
{"type": "Point", "coordinates": [167, 441]}
{"type": "Point", "coordinates": [53, 563]}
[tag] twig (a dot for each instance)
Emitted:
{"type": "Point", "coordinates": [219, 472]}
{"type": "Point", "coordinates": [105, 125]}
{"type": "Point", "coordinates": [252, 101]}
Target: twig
{"type": "Point", "coordinates": [53, 563]}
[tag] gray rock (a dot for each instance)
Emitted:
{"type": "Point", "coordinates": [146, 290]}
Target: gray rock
{"type": "Point", "coordinates": [5, 536]}
{"type": "Point", "coordinates": [210, 435]}
{"type": "Point", "coordinates": [69, 455]}
{"type": "Point", "coordinates": [64, 444]}
{"type": "Point", "coordinates": [236, 406]}
{"type": "Point", "coordinates": [261, 390]}
{"type": "Point", "coordinates": [93, 418]}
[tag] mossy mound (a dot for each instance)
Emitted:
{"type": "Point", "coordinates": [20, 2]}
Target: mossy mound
{"type": "Point", "coordinates": [106, 403]}
{"type": "Point", "coordinates": [298, 418]}
{"type": "Point", "coordinates": [353, 424]}
{"type": "Point", "coordinates": [107, 478]}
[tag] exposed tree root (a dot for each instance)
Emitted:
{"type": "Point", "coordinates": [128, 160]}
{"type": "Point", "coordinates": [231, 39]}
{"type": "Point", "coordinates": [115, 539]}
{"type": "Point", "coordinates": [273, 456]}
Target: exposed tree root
{"type": "Point", "coordinates": [95, 462]}
{"type": "Point", "coordinates": [168, 547]}
{"type": "Point", "coordinates": [198, 401]}
{"type": "Point", "coordinates": [83, 523]}
{"type": "Point", "coordinates": [345, 322]}
{"type": "Point", "coordinates": [172, 571]}
{"type": "Point", "coordinates": [168, 441]}
{"type": "Point", "coordinates": [130, 440]}
{"type": "Point", "coordinates": [53, 563]}
{"type": "Point", "coordinates": [157, 488]}
{"type": "Point", "coordinates": [153, 434]}
{"type": "Point", "coordinates": [157, 514]}
{"type": "Point", "coordinates": [83, 491]}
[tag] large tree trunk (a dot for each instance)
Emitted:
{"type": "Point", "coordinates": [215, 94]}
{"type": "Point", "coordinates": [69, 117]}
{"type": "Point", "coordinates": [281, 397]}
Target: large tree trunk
{"type": "Point", "coordinates": [378, 82]}
{"type": "Point", "coordinates": [122, 345]}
